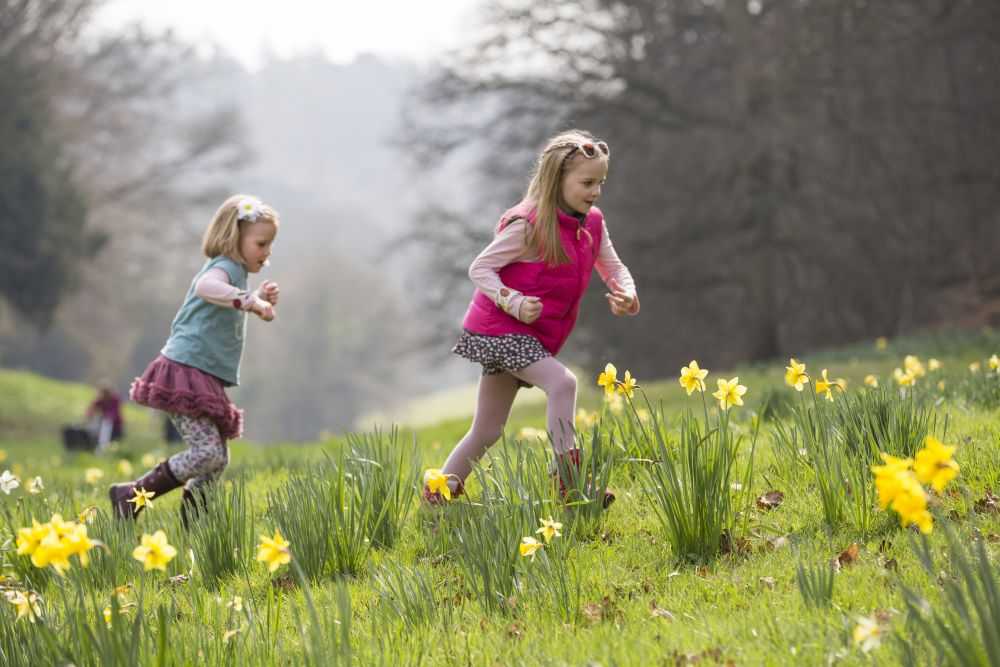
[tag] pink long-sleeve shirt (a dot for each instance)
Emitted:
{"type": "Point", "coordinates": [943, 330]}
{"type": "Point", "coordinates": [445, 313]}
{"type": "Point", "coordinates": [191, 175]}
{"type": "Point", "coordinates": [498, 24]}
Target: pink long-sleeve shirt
{"type": "Point", "coordinates": [215, 288]}
{"type": "Point", "coordinates": [511, 245]}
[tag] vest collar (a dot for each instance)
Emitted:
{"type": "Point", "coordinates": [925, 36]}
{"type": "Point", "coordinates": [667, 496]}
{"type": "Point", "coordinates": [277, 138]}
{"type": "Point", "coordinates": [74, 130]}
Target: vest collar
{"type": "Point", "coordinates": [572, 220]}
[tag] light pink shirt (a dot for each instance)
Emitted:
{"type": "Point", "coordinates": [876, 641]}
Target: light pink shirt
{"type": "Point", "coordinates": [510, 246]}
{"type": "Point", "coordinates": [215, 288]}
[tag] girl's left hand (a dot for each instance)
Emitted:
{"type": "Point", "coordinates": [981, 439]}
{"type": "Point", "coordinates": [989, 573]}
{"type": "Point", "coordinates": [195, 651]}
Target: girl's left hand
{"type": "Point", "coordinates": [269, 292]}
{"type": "Point", "coordinates": [621, 301]}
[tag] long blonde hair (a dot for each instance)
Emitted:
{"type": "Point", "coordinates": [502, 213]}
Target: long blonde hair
{"type": "Point", "coordinates": [544, 192]}
{"type": "Point", "coordinates": [223, 234]}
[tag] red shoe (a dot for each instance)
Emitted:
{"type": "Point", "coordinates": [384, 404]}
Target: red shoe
{"type": "Point", "coordinates": [570, 462]}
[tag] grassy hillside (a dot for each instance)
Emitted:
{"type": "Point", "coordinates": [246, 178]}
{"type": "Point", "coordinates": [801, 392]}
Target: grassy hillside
{"type": "Point", "coordinates": [788, 585]}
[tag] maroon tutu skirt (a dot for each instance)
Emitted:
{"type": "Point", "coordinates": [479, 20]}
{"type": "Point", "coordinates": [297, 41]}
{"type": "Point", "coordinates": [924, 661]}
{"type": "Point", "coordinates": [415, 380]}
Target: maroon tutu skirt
{"type": "Point", "coordinates": [172, 387]}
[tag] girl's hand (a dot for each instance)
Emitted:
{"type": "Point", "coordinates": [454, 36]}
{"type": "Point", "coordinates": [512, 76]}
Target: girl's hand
{"type": "Point", "coordinates": [264, 310]}
{"type": "Point", "coordinates": [269, 291]}
{"type": "Point", "coordinates": [531, 308]}
{"type": "Point", "coordinates": [621, 301]}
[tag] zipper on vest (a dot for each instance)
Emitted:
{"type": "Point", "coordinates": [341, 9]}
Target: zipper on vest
{"type": "Point", "coordinates": [579, 228]}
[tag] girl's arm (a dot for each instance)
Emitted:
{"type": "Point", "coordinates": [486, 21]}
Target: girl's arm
{"type": "Point", "coordinates": [215, 288]}
{"type": "Point", "coordinates": [614, 273]}
{"type": "Point", "coordinates": [510, 245]}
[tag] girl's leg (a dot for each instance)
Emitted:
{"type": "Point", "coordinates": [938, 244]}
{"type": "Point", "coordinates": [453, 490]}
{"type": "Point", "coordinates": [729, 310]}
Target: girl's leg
{"type": "Point", "coordinates": [496, 396]}
{"type": "Point", "coordinates": [206, 455]}
{"type": "Point", "coordinates": [559, 384]}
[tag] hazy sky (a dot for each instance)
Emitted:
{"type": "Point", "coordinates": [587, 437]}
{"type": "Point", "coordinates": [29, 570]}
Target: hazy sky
{"type": "Point", "coordinates": [251, 30]}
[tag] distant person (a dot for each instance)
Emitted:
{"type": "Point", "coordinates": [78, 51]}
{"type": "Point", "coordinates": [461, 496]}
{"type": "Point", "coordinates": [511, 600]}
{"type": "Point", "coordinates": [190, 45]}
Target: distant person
{"type": "Point", "coordinates": [202, 355]}
{"type": "Point", "coordinates": [529, 282]}
{"type": "Point", "coordinates": [107, 411]}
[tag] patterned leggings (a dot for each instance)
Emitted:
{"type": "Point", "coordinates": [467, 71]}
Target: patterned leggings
{"type": "Point", "coordinates": [206, 456]}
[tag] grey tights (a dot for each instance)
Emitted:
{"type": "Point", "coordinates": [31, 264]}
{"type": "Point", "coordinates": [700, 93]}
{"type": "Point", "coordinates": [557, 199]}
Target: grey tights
{"type": "Point", "coordinates": [496, 397]}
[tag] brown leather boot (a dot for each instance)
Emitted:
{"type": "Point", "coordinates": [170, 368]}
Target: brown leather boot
{"type": "Point", "coordinates": [159, 480]}
{"type": "Point", "coordinates": [568, 463]}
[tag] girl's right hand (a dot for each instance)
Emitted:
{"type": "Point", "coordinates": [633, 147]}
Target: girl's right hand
{"type": "Point", "coordinates": [264, 310]}
{"type": "Point", "coordinates": [531, 308]}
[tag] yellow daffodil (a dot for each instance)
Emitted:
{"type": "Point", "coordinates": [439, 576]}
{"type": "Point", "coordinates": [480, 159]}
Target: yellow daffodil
{"type": "Point", "coordinates": [627, 385]}
{"type": "Point", "coordinates": [585, 419]}
{"type": "Point", "coordinates": [869, 633]}
{"type": "Point", "coordinates": [795, 375]}
{"type": "Point", "coordinates": [914, 366]}
{"type": "Point", "coordinates": [933, 465]}
{"type": "Point", "coordinates": [975, 367]}
{"type": "Point", "coordinates": [940, 385]}
{"type": "Point", "coordinates": [549, 529]}
{"type": "Point", "coordinates": [730, 393]}
{"type": "Point", "coordinates": [124, 468]}
{"type": "Point", "coordinates": [28, 605]}
{"type": "Point", "coordinates": [530, 433]}
{"type": "Point", "coordinates": [437, 482]}
{"type": "Point", "coordinates": [143, 498]}
{"type": "Point", "coordinates": [825, 386]}
{"type": "Point", "coordinates": [3, 455]}
{"type": "Point", "coordinates": [933, 365]}
{"type": "Point", "coordinates": [87, 514]}
{"type": "Point", "coordinates": [881, 343]}
{"type": "Point", "coordinates": [154, 552]}
{"type": "Point", "coordinates": [530, 546]}
{"type": "Point", "coordinates": [149, 460]}
{"type": "Point", "coordinates": [608, 379]}
{"type": "Point", "coordinates": [236, 604]}
{"type": "Point", "coordinates": [993, 362]}
{"type": "Point", "coordinates": [274, 551]}
{"type": "Point", "coordinates": [903, 378]}
{"type": "Point", "coordinates": [229, 635]}
{"type": "Point", "coordinates": [107, 617]}
{"type": "Point", "coordinates": [888, 479]}
{"type": "Point", "coordinates": [871, 380]}
{"type": "Point", "coordinates": [28, 539]}
{"type": "Point", "coordinates": [693, 377]}
{"type": "Point", "coordinates": [93, 475]}
{"type": "Point", "coordinates": [77, 543]}
{"type": "Point", "coordinates": [911, 504]}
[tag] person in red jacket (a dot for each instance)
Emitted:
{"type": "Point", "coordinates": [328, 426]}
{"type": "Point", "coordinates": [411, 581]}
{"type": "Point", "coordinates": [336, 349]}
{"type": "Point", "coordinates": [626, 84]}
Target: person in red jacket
{"type": "Point", "coordinates": [529, 281]}
{"type": "Point", "coordinates": [107, 408]}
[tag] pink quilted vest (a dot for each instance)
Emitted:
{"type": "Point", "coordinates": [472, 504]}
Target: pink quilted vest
{"type": "Point", "coordinates": [559, 287]}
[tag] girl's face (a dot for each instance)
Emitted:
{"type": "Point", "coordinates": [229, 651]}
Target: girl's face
{"type": "Point", "coordinates": [255, 244]}
{"type": "Point", "coordinates": [581, 183]}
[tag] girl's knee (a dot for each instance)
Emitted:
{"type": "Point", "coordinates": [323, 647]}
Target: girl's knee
{"type": "Point", "coordinates": [564, 384]}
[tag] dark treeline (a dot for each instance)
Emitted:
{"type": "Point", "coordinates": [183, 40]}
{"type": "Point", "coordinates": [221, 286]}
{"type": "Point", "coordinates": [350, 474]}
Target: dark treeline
{"type": "Point", "coordinates": [785, 174]}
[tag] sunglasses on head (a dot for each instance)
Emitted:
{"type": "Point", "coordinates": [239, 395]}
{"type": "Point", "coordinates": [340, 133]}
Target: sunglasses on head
{"type": "Point", "coordinates": [590, 149]}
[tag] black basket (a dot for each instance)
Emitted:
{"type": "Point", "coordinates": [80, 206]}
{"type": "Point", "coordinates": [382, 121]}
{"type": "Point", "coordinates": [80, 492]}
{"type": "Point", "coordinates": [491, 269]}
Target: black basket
{"type": "Point", "coordinates": [79, 437]}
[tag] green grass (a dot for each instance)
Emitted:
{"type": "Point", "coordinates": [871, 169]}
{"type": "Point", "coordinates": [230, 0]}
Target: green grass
{"type": "Point", "coordinates": [611, 593]}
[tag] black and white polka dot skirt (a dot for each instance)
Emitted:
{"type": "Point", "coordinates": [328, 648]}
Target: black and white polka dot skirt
{"type": "Point", "coordinates": [506, 353]}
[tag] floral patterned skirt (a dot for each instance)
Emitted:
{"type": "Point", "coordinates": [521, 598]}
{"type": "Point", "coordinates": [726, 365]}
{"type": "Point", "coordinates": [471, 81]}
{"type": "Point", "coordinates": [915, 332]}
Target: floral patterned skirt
{"type": "Point", "coordinates": [506, 353]}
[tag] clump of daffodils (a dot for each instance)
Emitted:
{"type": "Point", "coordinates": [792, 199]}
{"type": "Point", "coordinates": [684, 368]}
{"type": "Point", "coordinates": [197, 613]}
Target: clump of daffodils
{"type": "Point", "coordinates": [609, 380]}
{"type": "Point", "coordinates": [900, 482]}
{"type": "Point", "coordinates": [54, 543]}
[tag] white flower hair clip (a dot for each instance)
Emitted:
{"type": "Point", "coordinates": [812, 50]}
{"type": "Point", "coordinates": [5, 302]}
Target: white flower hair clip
{"type": "Point", "coordinates": [249, 209]}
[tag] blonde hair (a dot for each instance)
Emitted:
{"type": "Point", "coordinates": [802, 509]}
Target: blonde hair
{"type": "Point", "coordinates": [544, 192]}
{"type": "Point", "coordinates": [223, 234]}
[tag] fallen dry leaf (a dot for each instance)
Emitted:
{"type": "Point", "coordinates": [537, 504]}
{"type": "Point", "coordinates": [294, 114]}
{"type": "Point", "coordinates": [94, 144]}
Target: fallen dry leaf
{"type": "Point", "coordinates": [891, 565]}
{"type": "Point", "coordinates": [987, 504]}
{"type": "Point", "coordinates": [770, 500]}
{"type": "Point", "coordinates": [593, 611]}
{"type": "Point", "coordinates": [849, 555]}
{"type": "Point", "coordinates": [662, 613]}
{"type": "Point", "coordinates": [767, 582]}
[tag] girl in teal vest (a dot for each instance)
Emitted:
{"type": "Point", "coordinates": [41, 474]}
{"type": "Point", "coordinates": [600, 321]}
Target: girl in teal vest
{"type": "Point", "coordinates": [202, 356]}
{"type": "Point", "coordinates": [529, 282]}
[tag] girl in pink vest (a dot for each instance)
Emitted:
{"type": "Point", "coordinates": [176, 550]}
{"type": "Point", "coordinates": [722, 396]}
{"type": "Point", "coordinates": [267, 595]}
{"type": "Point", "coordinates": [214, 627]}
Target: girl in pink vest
{"type": "Point", "coordinates": [529, 281]}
